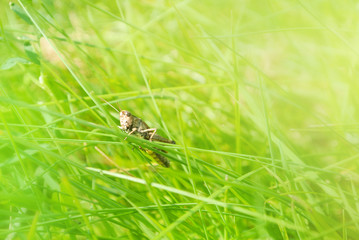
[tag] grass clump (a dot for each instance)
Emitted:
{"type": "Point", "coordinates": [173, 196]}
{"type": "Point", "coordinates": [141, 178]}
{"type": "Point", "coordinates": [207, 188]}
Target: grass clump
{"type": "Point", "coordinates": [260, 99]}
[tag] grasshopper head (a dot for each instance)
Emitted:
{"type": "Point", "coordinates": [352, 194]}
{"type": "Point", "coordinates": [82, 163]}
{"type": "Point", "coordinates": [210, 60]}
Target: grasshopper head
{"type": "Point", "coordinates": [126, 119]}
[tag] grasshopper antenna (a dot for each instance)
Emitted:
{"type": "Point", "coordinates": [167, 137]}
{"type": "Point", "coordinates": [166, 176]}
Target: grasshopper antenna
{"type": "Point", "coordinates": [118, 105]}
{"type": "Point", "coordinates": [111, 105]}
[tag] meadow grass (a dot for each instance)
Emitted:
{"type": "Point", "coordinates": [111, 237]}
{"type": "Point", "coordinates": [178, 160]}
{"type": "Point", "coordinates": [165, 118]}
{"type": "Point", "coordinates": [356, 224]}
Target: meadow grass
{"type": "Point", "coordinates": [260, 97]}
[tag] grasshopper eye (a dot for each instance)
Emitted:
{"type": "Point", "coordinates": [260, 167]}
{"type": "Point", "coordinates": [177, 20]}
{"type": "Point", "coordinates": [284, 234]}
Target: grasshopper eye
{"type": "Point", "coordinates": [125, 113]}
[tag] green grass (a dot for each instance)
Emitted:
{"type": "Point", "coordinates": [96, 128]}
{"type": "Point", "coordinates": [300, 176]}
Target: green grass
{"type": "Point", "coordinates": [260, 97]}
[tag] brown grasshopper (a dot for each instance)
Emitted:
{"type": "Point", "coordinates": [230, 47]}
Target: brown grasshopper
{"type": "Point", "coordinates": [136, 126]}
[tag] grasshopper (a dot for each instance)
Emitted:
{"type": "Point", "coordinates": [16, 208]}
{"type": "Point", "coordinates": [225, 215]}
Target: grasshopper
{"type": "Point", "coordinates": [136, 126]}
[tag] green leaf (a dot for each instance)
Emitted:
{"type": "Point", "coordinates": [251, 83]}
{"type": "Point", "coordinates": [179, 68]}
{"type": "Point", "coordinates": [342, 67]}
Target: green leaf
{"type": "Point", "coordinates": [20, 12]}
{"type": "Point", "coordinates": [29, 50]}
{"type": "Point", "coordinates": [11, 62]}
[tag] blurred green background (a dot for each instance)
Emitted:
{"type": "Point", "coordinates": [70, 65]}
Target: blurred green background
{"type": "Point", "coordinates": [261, 98]}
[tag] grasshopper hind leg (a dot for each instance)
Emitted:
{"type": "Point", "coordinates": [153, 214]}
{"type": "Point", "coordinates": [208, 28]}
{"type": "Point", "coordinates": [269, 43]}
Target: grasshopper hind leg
{"type": "Point", "coordinates": [163, 161]}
